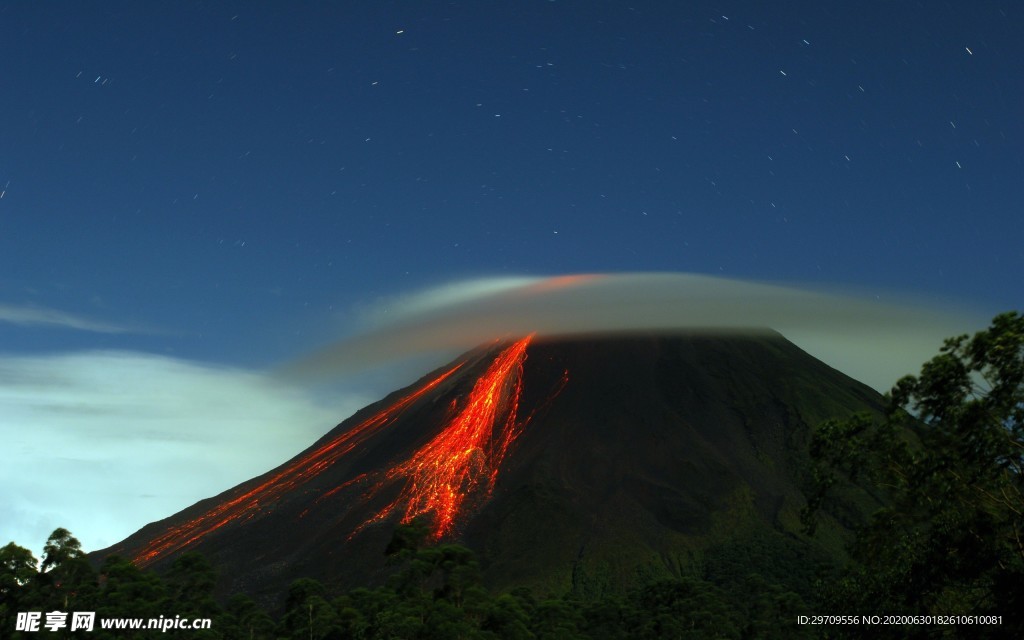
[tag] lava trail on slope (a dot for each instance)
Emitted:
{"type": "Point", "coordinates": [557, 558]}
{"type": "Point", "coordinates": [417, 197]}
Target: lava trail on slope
{"type": "Point", "coordinates": [461, 463]}
{"type": "Point", "coordinates": [248, 504]}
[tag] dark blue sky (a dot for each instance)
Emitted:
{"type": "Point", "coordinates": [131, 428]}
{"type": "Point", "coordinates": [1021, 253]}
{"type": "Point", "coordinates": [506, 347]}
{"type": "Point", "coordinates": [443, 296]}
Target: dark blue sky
{"type": "Point", "coordinates": [191, 192]}
{"type": "Point", "coordinates": [239, 179]}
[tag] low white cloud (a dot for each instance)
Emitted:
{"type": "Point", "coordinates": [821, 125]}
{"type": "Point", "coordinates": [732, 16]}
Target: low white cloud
{"type": "Point", "coordinates": [874, 341]}
{"type": "Point", "coordinates": [104, 442]}
{"type": "Point", "coordinates": [30, 316]}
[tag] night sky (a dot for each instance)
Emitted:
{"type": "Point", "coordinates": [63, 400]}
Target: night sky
{"type": "Point", "coordinates": [192, 192]}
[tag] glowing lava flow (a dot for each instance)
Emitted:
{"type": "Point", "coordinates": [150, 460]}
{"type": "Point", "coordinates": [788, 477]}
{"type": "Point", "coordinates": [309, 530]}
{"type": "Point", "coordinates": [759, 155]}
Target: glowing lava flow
{"type": "Point", "coordinates": [467, 453]}
{"type": "Point", "coordinates": [298, 472]}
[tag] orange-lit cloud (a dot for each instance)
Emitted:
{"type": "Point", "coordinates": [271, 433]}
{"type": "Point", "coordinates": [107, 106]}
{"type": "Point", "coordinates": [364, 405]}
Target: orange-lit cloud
{"type": "Point", "coordinates": [875, 341]}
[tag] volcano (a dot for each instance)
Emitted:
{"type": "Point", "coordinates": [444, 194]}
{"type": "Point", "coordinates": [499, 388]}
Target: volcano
{"type": "Point", "coordinates": [573, 464]}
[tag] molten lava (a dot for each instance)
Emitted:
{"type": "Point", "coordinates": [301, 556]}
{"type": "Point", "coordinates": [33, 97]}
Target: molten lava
{"type": "Point", "coordinates": [248, 504]}
{"type": "Point", "coordinates": [462, 461]}
{"type": "Point", "coordinates": [452, 472]}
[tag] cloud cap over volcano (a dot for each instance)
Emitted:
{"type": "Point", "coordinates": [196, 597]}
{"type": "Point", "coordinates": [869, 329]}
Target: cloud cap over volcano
{"type": "Point", "coordinates": [872, 340]}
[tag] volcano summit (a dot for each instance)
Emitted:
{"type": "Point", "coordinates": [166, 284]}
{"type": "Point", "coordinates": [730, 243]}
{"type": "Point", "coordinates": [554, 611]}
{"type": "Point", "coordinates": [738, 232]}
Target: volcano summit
{"type": "Point", "coordinates": [583, 464]}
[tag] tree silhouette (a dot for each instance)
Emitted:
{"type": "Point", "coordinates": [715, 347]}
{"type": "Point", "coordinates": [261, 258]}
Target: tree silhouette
{"type": "Point", "coordinates": [948, 455]}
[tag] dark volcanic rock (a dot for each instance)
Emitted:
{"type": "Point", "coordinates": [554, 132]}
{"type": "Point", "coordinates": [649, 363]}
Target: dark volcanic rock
{"type": "Point", "coordinates": [639, 456]}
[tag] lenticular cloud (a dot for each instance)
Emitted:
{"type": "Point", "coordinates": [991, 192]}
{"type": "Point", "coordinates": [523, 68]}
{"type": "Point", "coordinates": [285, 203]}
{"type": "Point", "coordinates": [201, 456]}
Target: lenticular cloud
{"type": "Point", "coordinates": [867, 338]}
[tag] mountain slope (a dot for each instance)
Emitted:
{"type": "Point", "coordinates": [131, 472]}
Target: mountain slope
{"type": "Point", "coordinates": [585, 464]}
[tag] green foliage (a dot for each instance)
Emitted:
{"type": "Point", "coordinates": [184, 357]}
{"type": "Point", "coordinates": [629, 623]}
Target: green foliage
{"type": "Point", "coordinates": [948, 457]}
{"type": "Point", "coordinates": [65, 579]}
{"type": "Point", "coordinates": [18, 567]}
{"type": "Point", "coordinates": [191, 578]}
{"type": "Point", "coordinates": [60, 547]}
{"type": "Point", "coordinates": [436, 593]}
{"type": "Point", "coordinates": [408, 538]}
{"type": "Point", "coordinates": [243, 618]}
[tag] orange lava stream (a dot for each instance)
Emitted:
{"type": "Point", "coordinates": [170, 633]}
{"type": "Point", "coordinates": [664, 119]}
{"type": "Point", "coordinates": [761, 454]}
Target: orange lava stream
{"type": "Point", "coordinates": [465, 457]}
{"type": "Point", "coordinates": [300, 471]}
